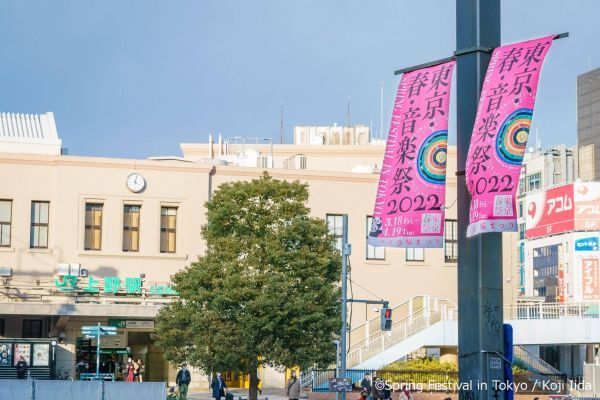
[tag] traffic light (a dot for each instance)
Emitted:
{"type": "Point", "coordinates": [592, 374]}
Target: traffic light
{"type": "Point", "coordinates": [386, 318]}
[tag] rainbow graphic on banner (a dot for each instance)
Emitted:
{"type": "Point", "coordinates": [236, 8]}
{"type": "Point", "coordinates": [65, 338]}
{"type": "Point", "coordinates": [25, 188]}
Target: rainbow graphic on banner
{"type": "Point", "coordinates": [511, 141]}
{"type": "Point", "coordinates": [409, 209]}
{"type": "Point", "coordinates": [432, 158]}
{"type": "Point", "coordinates": [500, 133]}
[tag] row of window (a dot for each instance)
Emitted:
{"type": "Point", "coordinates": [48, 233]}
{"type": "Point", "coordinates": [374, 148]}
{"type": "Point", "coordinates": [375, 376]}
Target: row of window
{"type": "Point", "coordinates": [32, 328]}
{"type": "Point", "coordinates": [40, 211]}
{"type": "Point", "coordinates": [335, 223]}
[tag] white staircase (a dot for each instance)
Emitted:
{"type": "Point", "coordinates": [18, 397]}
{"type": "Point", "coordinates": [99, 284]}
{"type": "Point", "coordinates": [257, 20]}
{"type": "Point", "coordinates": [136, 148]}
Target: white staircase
{"type": "Point", "coordinates": [369, 345]}
{"type": "Point", "coordinates": [423, 321]}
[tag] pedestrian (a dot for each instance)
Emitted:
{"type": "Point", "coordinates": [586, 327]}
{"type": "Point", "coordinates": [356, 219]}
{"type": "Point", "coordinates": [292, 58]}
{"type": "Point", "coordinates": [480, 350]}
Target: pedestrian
{"type": "Point", "coordinates": [182, 380]}
{"type": "Point", "coordinates": [141, 369]}
{"type": "Point", "coordinates": [218, 387]}
{"type": "Point", "coordinates": [386, 392]}
{"type": "Point", "coordinates": [293, 387]}
{"type": "Point", "coordinates": [376, 388]}
{"type": "Point", "coordinates": [129, 370]}
{"type": "Point", "coordinates": [21, 368]}
{"type": "Point", "coordinates": [365, 385]}
{"type": "Point", "coordinates": [405, 393]}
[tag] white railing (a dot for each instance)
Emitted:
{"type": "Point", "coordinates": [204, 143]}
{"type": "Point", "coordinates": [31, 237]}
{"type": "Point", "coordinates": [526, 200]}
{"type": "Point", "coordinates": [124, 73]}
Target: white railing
{"type": "Point", "coordinates": [432, 311]}
{"type": "Point", "coordinates": [552, 310]}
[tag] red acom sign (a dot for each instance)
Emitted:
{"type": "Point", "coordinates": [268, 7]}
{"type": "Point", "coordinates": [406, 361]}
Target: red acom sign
{"type": "Point", "coordinates": [563, 209]}
{"type": "Point", "coordinates": [550, 212]}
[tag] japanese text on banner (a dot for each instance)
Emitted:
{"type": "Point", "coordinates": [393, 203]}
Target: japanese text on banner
{"type": "Point", "coordinates": [500, 133]}
{"type": "Point", "coordinates": [409, 207]}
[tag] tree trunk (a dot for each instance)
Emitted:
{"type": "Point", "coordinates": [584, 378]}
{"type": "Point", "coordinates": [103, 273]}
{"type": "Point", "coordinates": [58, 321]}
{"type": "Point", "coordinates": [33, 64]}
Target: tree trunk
{"type": "Point", "coordinates": [253, 388]}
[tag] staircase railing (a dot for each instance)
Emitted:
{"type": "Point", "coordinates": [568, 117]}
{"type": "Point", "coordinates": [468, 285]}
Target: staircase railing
{"type": "Point", "coordinates": [534, 362]}
{"type": "Point", "coordinates": [416, 321]}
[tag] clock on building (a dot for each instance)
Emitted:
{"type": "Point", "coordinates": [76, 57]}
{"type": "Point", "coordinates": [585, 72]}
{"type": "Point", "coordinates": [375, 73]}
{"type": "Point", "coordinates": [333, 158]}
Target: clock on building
{"type": "Point", "coordinates": [136, 183]}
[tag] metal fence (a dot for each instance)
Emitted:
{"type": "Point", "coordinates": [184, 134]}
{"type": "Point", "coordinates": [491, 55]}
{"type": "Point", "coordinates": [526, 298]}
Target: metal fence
{"type": "Point", "coordinates": [435, 381]}
{"type": "Point", "coordinates": [20, 389]}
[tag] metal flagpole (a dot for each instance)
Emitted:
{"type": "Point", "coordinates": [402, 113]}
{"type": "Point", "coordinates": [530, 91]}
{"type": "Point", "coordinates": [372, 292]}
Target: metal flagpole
{"type": "Point", "coordinates": [480, 316]}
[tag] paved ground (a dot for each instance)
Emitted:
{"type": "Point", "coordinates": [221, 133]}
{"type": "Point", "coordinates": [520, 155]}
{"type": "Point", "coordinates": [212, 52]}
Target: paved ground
{"type": "Point", "coordinates": [237, 393]}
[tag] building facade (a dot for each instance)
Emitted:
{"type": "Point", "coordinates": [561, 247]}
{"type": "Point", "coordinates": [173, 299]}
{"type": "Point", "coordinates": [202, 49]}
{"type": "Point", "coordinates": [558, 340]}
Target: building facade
{"type": "Point", "coordinates": [88, 240]}
{"type": "Point", "coordinates": [588, 123]}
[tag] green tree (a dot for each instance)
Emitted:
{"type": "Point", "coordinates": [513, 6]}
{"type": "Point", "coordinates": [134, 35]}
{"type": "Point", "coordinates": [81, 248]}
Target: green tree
{"type": "Point", "coordinates": [266, 291]}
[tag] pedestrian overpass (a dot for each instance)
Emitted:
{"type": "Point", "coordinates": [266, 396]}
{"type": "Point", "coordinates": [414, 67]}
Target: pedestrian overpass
{"type": "Point", "coordinates": [429, 322]}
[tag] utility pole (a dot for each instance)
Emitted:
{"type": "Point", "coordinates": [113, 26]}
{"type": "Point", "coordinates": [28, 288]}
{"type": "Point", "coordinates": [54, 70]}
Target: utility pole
{"type": "Point", "coordinates": [480, 336]}
{"type": "Point", "coordinates": [346, 250]}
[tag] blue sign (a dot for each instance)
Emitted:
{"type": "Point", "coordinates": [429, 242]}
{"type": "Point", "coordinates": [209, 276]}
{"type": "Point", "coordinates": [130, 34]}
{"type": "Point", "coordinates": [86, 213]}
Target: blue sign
{"type": "Point", "coordinates": [587, 244]}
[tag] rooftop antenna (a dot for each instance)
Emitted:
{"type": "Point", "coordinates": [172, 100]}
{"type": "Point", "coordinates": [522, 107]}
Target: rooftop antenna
{"type": "Point", "coordinates": [348, 117]}
{"type": "Point", "coordinates": [381, 111]}
{"type": "Point", "coordinates": [538, 143]}
{"type": "Point", "coordinates": [281, 124]}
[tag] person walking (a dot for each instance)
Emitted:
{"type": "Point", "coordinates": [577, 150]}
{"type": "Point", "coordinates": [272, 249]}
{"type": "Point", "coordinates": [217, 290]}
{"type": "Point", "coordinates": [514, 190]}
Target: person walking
{"type": "Point", "coordinates": [365, 385]}
{"type": "Point", "coordinates": [218, 387]}
{"type": "Point", "coordinates": [293, 387]}
{"type": "Point", "coordinates": [182, 380]}
{"type": "Point", "coordinates": [141, 369]}
{"type": "Point", "coordinates": [376, 388]}
{"type": "Point", "coordinates": [129, 370]}
{"type": "Point", "coordinates": [405, 394]}
{"type": "Point", "coordinates": [21, 368]}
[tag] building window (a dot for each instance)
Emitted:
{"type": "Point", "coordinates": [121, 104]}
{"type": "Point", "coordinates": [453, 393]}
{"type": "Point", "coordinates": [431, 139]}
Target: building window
{"type": "Point", "coordinates": [131, 228]}
{"type": "Point", "coordinates": [335, 223]}
{"type": "Point", "coordinates": [521, 185]}
{"type": "Point", "coordinates": [534, 181]}
{"type": "Point", "coordinates": [39, 224]}
{"type": "Point", "coordinates": [93, 226]}
{"type": "Point", "coordinates": [521, 231]}
{"type": "Point", "coordinates": [520, 207]}
{"type": "Point", "coordinates": [168, 229]}
{"type": "Point", "coordinates": [5, 222]}
{"type": "Point", "coordinates": [32, 328]}
{"type": "Point", "coordinates": [373, 253]}
{"type": "Point", "coordinates": [451, 241]}
{"type": "Point", "coordinates": [417, 254]}
{"type": "Point", "coordinates": [1, 328]}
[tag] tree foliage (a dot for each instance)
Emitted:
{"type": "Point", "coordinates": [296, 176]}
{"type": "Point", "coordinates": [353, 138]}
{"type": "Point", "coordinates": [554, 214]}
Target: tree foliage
{"type": "Point", "coordinates": [265, 292]}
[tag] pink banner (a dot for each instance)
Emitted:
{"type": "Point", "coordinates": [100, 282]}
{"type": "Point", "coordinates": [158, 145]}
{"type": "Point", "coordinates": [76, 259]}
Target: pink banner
{"type": "Point", "coordinates": [500, 133]}
{"type": "Point", "coordinates": [409, 208]}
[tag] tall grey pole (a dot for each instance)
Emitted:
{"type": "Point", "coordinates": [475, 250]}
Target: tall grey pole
{"type": "Point", "coordinates": [98, 354]}
{"type": "Point", "coordinates": [479, 258]}
{"type": "Point", "coordinates": [344, 333]}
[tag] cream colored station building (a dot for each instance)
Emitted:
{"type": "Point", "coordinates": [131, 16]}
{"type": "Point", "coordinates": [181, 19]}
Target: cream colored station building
{"type": "Point", "coordinates": [87, 240]}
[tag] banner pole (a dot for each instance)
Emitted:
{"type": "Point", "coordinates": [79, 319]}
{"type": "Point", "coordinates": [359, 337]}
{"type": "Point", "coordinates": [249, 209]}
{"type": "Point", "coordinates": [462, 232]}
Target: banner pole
{"type": "Point", "coordinates": [479, 287]}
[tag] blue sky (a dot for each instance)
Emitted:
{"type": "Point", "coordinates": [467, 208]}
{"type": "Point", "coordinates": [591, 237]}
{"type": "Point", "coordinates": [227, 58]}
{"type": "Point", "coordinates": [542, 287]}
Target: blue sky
{"type": "Point", "coordinates": [134, 78]}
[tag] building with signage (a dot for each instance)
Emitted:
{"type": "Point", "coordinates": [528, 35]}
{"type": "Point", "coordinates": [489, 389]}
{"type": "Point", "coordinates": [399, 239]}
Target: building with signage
{"type": "Point", "coordinates": [541, 169]}
{"type": "Point", "coordinates": [87, 240]}
{"type": "Point", "coordinates": [588, 123]}
{"type": "Point", "coordinates": [561, 250]}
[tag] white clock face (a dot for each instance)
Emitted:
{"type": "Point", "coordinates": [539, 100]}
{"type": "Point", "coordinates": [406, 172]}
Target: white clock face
{"type": "Point", "coordinates": [136, 183]}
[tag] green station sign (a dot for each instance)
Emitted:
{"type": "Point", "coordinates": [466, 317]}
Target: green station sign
{"type": "Point", "coordinates": [110, 284]}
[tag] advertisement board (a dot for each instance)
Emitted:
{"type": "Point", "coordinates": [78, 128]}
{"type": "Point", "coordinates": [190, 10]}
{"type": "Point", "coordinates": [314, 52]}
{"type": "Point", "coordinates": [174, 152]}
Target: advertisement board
{"type": "Point", "coordinates": [571, 207]}
{"type": "Point", "coordinates": [589, 279]}
{"type": "Point", "coordinates": [5, 354]}
{"type": "Point", "coordinates": [587, 206]}
{"type": "Point", "coordinates": [550, 212]}
{"type": "Point", "coordinates": [22, 350]}
{"type": "Point", "coordinates": [586, 255]}
{"type": "Point", "coordinates": [41, 354]}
